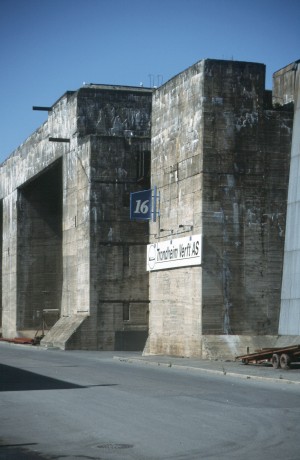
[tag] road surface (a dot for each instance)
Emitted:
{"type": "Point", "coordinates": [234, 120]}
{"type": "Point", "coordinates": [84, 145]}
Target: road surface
{"type": "Point", "coordinates": [75, 405]}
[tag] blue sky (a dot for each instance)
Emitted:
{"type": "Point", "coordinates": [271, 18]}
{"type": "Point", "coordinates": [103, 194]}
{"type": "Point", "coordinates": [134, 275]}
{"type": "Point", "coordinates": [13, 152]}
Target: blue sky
{"type": "Point", "coordinates": [50, 46]}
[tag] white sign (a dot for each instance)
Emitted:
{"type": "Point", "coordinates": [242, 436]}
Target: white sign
{"type": "Point", "coordinates": [179, 252]}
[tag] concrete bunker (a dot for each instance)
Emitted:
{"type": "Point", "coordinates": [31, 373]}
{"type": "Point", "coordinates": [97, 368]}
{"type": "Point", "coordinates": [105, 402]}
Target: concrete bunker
{"type": "Point", "coordinates": [39, 243]}
{"type": "Point", "coordinates": [220, 163]}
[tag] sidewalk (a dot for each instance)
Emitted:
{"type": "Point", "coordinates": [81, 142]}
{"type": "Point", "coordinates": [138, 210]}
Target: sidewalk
{"type": "Point", "coordinates": [230, 368]}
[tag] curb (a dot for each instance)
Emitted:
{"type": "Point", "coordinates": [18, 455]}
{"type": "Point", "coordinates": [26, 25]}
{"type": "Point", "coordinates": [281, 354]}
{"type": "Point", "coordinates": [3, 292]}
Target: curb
{"type": "Point", "coordinates": [208, 371]}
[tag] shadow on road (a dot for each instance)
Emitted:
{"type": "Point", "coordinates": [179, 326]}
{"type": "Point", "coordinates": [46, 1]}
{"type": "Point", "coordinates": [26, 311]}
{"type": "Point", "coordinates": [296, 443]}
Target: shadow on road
{"type": "Point", "coordinates": [15, 379]}
{"type": "Point", "coordinates": [19, 452]}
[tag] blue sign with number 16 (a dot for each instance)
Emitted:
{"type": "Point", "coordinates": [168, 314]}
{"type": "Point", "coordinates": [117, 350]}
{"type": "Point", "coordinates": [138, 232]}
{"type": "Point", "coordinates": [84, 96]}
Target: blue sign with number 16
{"type": "Point", "coordinates": [141, 205]}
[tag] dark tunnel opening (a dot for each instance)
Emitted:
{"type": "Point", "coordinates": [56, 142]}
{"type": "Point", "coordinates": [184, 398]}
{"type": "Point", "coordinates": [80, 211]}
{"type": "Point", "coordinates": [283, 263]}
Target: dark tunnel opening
{"type": "Point", "coordinates": [39, 264]}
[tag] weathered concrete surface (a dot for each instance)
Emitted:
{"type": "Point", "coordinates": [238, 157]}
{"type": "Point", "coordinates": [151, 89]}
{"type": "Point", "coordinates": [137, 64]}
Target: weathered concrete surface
{"type": "Point", "coordinates": [290, 295]}
{"type": "Point", "coordinates": [1, 231]}
{"type": "Point", "coordinates": [61, 335]}
{"type": "Point", "coordinates": [31, 159]}
{"type": "Point", "coordinates": [245, 174]}
{"type": "Point", "coordinates": [119, 281]}
{"type": "Point", "coordinates": [9, 266]}
{"type": "Point", "coordinates": [176, 170]}
{"type": "Point", "coordinates": [228, 346]}
{"type": "Point", "coordinates": [220, 160]}
{"type": "Point", "coordinates": [284, 84]}
{"type": "Point", "coordinates": [67, 240]}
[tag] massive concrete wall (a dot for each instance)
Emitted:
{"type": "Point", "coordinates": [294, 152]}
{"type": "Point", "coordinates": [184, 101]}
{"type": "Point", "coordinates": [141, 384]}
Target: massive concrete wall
{"type": "Point", "coordinates": [284, 85]}
{"type": "Point", "coordinates": [1, 231]}
{"type": "Point", "coordinates": [66, 218]}
{"type": "Point", "coordinates": [176, 170]}
{"type": "Point", "coordinates": [290, 297]}
{"type": "Point", "coordinates": [245, 174]}
{"type": "Point", "coordinates": [119, 284]}
{"type": "Point", "coordinates": [31, 159]}
{"type": "Point", "coordinates": [114, 125]}
{"type": "Point", "coordinates": [220, 161]}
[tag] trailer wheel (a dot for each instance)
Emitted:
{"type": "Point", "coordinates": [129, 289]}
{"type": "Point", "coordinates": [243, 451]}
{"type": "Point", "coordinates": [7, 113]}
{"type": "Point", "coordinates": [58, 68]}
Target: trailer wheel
{"type": "Point", "coordinates": [275, 361]}
{"type": "Point", "coordinates": [285, 361]}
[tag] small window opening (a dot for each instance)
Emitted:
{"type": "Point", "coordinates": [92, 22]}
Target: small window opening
{"type": "Point", "coordinates": [125, 256]}
{"type": "Point", "coordinates": [126, 311]}
{"type": "Point", "coordinates": [143, 166]}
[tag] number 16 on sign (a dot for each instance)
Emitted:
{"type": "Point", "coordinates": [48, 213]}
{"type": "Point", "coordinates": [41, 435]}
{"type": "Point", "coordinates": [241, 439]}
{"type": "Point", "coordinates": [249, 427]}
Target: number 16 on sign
{"type": "Point", "coordinates": [143, 205]}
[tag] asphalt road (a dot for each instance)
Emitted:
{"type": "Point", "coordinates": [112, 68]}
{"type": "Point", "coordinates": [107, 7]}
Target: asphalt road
{"type": "Point", "coordinates": [87, 405]}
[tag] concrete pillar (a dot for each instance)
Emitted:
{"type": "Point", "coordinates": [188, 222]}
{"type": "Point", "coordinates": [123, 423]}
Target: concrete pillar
{"type": "Point", "coordinates": [76, 225]}
{"type": "Point", "coordinates": [289, 322]}
{"type": "Point", "coordinates": [9, 265]}
{"type": "Point", "coordinates": [220, 157]}
{"type": "Point", "coordinates": [1, 231]}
